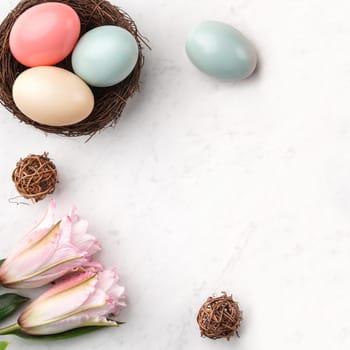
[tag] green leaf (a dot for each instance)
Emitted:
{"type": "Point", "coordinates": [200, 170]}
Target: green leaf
{"type": "Point", "coordinates": [65, 335]}
{"type": "Point", "coordinates": [1, 262]}
{"type": "Point", "coordinates": [9, 302]}
{"type": "Point", "coordinates": [3, 345]}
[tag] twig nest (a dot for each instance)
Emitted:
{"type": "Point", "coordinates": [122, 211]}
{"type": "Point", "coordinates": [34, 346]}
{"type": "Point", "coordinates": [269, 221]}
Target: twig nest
{"type": "Point", "coordinates": [35, 177]}
{"type": "Point", "coordinates": [109, 101]}
{"type": "Point", "coordinates": [219, 317]}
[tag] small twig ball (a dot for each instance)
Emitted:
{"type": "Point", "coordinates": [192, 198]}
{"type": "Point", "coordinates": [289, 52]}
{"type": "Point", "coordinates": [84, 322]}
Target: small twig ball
{"type": "Point", "coordinates": [35, 177]}
{"type": "Point", "coordinates": [219, 317]}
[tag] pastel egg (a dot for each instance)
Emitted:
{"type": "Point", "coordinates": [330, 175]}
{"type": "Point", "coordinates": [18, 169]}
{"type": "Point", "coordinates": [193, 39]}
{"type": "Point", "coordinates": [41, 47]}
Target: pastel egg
{"type": "Point", "coordinates": [221, 51]}
{"type": "Point", "coordinates": [105, 56]}
{"type": "Point", "coordinates": [52, 96]}
{"type": "Point", "coordinates": [44, 34]}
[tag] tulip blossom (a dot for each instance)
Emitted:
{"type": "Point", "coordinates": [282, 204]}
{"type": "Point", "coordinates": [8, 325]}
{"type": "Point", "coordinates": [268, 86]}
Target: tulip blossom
{"type": "Point", "coordinates": [81, 300]}
{"type": "Point", "coordinates": [51, 250]}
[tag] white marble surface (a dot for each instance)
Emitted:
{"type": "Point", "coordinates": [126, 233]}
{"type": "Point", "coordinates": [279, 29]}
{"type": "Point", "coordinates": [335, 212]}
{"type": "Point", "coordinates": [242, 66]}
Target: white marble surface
{"type": "Point", "coordinates": [207, 186]}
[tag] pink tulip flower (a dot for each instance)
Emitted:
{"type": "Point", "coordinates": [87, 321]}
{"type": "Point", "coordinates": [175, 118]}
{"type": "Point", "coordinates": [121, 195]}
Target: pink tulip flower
{"type": "Point", "coordinates": [81, 300]}
{"type": "Point", "coordinates": [51, 250]}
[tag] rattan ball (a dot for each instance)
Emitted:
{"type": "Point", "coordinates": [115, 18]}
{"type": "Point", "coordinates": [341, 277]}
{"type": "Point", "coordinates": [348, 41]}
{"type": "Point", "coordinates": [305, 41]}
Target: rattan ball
{"type": "Point", "coordinates": [109, 102]}
{"type": "Point", "coordinates": [219, 317]}
{"type": "Point", "coordinates": [35, 177]}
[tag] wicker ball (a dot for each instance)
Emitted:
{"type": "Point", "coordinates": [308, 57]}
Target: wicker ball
{"type": "Point", "coordinates": [219, 317]}
{"type": "Point", "coordinates": [35, 177]}
{"type": "Point", "coordinates": [109, 102]}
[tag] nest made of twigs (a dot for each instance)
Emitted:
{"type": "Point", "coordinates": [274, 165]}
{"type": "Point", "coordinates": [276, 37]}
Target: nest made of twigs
{"type": "Point", "coordinates": [109, 102]}
{"type": "Point", "coordinates": [35, 177]}
{"type": "Point", "coordinates": [219, 317]}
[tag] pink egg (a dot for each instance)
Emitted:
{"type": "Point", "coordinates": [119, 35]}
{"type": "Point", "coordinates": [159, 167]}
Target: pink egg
{"type": "Point", "coordinates": [44, 34]}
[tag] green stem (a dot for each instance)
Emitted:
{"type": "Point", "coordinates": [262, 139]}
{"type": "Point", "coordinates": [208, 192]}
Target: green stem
{"type": "Point", "coordinates": [3, 345]}
{"type": "Point", "coordinates": [10, 329]}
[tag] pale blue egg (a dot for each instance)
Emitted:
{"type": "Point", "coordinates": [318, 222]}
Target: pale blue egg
{"type": "Point", "coordinates": [104, 56]}
{"type": "Point", "coordinates": [221, 51]}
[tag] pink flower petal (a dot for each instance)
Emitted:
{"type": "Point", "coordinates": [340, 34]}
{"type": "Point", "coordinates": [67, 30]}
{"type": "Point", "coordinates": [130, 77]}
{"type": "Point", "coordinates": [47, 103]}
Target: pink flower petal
{"type": "Point", "coordinates": [22, 266]}
{"type": "Point", "coordinates": [50, 252]}
{"type": "Point", "coordinates": [64, 325]}
{"type": "Point", "coordinates": [38, 232]}
{"type": "Point", "coordinates": [82, 239]}
{"type": "Point", "coordinates": [60, 300]}
{"type": "Point", "coordinates": [70, 282]}
{"type": "Point", "coordinates": [81, 300]}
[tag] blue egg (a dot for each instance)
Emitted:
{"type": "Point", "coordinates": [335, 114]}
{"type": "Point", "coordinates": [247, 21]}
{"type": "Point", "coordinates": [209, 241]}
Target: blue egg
{"type": "Point", "coordinates": [221, 51]}
{"type": "Point", "coordinates": [104, 56]}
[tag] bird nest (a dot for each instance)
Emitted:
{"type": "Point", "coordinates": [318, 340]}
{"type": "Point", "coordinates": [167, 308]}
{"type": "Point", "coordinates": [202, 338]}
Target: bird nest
{"type": "Point", "coordinates": [109, 102]}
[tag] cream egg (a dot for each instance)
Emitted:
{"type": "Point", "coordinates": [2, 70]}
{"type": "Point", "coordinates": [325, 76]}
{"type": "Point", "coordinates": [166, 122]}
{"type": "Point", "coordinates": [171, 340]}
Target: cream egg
{"type": "Point", "coordinates": [52, 96]}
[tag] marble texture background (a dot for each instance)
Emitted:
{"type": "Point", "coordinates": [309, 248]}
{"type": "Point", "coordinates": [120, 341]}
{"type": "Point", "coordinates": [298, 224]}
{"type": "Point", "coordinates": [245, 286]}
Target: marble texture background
{"type": "Point", "coordinates": [206, 186]}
